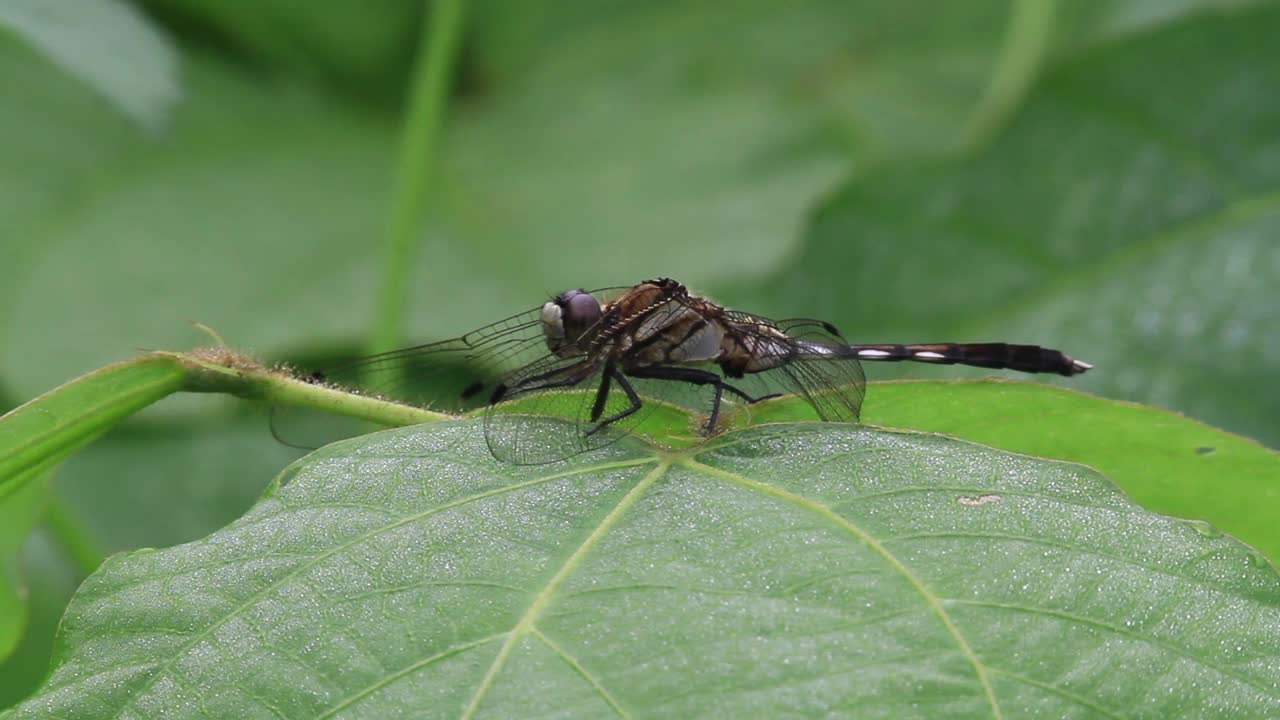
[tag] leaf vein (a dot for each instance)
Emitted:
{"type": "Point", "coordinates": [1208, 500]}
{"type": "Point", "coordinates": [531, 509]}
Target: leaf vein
{"type": "Point", "coordinates": [404, 672]}
{"type": "Point", "coordinates": [1062, 546]}
{"type": "Point", "coordinates": [933, 601]}
{"type": "Point", "coordinates": [581, 670]}
{"type": "Point", "coordinates": [1181, 652]}
{"type": "Point", "coordinates": [1060, 692]}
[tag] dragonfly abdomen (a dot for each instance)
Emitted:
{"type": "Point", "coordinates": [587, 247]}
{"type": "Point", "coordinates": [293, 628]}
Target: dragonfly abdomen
{"type": "Point", "coordinates": [1005, 356]}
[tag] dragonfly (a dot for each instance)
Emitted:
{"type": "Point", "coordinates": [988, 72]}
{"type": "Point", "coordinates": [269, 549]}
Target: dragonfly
{"type": "Point", "coordinates": [585, 368]}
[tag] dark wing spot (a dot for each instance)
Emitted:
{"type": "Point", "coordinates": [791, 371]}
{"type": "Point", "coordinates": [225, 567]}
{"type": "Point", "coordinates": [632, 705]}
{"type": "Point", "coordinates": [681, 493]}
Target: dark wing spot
{"type": "Point", "coordinates": [499, 392]}
{"type": "Point", "coordinates": [472, 390]}
{"type": "Point", "coordinates": [830, 328]}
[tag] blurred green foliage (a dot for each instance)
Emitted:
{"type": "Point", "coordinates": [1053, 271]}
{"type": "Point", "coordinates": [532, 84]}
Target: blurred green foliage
{"type": "Point", "coordinates": [789, 158]}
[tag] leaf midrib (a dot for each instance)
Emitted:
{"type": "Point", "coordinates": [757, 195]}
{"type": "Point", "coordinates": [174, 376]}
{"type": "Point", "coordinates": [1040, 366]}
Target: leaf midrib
{"type": "Point", "coordinates": [351, 542]}
{"type": "Point", "coordinates": [540, 601]}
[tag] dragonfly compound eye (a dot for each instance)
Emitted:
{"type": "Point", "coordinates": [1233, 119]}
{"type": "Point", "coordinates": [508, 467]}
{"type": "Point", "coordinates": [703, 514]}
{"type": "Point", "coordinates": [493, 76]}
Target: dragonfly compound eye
{"type": "Point", "coordinates": [576, 312]}
{"type": "Point", "coordinates": [582, 310]}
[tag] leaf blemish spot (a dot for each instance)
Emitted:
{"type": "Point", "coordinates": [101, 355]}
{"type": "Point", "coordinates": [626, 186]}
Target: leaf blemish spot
{"type": "Point", "coordinates": [977, 500]}
{"type": "Point", "coordinates": [1205, 529]}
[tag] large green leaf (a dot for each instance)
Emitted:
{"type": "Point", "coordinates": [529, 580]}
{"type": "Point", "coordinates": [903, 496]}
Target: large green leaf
{"type": "Point", "coordinates": [1129, 216]}
{"type": "Point", "coordinates": [802, 569]}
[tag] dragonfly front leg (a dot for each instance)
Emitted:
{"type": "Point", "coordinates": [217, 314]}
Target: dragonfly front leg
{"type": "Point", "coordinates": [602, 395]}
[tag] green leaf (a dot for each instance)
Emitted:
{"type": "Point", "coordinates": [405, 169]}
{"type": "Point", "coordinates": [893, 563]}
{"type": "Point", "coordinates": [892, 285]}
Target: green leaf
{"type": "Point", "coordinates": [108, 45]}
{"type": "Point", "coordinates": [43, 431]}
{"type": "Point", "coordinates": [50, 581]}
{"type": "Point", "coordinates": [1167, 463]}
{"type": "Point", "coordinates": [180, 219]}
{"type": "Point", "coordinates": [36, 436]}
{"type": "Point", "coordinates": [1128, 217]}
{"type": "Point", "coordinates": [19, 512]}
{"type": "Point", "coordinates": [360, 48]}
{"type": "Point", "coordinates": [791, 569]}
{"type": "Point", "coordinates": [148, 509]}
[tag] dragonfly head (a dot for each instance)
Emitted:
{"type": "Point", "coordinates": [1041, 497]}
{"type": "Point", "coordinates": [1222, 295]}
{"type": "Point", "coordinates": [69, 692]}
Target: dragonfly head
{"type": "Point", "coordinates": [567, 317]}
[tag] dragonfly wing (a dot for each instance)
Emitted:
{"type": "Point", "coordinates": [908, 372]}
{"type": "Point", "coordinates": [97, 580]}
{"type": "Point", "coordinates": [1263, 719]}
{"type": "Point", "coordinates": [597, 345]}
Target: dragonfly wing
{"type": "Point", "coordinates": [830, 379]}
{"type": "Point", "coordinates": [813, 367]}
{"type": "Point", "coordinates": [454, 375]}
{"type": "Point", "coordinates": [556, 408]}
{"type": "Point", "coordinates": [451, 375]}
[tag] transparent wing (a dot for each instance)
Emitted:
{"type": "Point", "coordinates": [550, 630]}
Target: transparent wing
{"type": "Point", "coordinates": [828, 377]}
{"type": "Point", "coordinates": [539, 407]}
{"type": "Point", "coordinates": [450, 375]}
{"type": "Point", "coordinates": [816, 366]}
{"type": "Point", "coordinates": [546, 410]}
{"type": "Point", "coordinates": [453, 376]}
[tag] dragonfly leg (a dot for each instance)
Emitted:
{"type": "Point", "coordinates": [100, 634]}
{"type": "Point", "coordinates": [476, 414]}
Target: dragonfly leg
{"type": "Point", "coordinates": [602, 395]}
{"type": "Point", "coordinates": [600, 398]}
{"type": "Point", "coordinates": [571, 376]}
{"type": "Point", "coordinates": [715, 408]}
{"type": "Point", "coordinates": [750, 399]}
{"type": "Point", "coordinates": [695, 376]}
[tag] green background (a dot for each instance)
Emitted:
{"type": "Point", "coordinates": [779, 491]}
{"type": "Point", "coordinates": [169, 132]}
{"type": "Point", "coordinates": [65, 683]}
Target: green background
{"type": "Point", "coordinates": [1097, 176]}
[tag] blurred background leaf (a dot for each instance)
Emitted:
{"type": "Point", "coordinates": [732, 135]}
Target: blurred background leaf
{"type": "Point", "coordinates": [51, 578]}
{"type": "Point", "coordinates": [1129, 215]}
{"type": "Point", "coordinates": [18, 508]}
{"type": "Point", "coordinates": [791, 158]}
{"type": "Point", "coordinates": [108, 45]}
{"type": "Point", "coordinates": [358, 50]}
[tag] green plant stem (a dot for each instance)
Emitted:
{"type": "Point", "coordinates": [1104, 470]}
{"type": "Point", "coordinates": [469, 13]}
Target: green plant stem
{"type": "Point", "coordinates": [236, 375]}
{"type": "Point", "coordinates": [1026, 44]}
{"type": "Point", "coordinates": [77, 543]}
{"type": "Point", "coordinates": [428, 99]}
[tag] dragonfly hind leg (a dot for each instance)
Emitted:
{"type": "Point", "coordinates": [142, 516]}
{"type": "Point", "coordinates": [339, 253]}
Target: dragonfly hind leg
{"type": "Point", "coordinates": [698, 377]}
